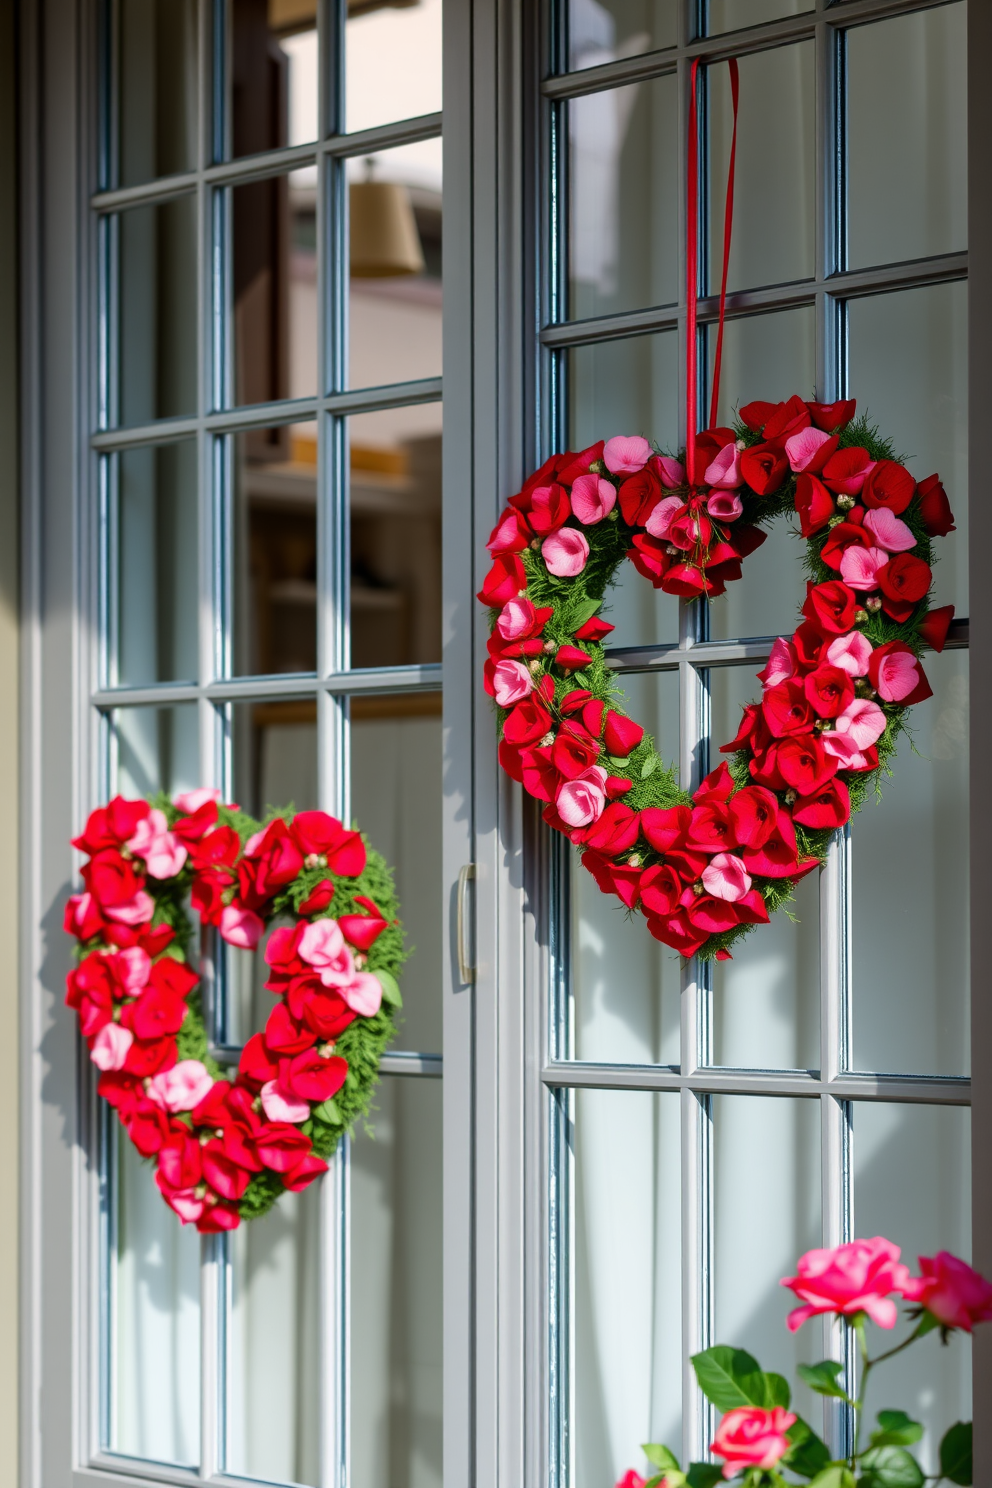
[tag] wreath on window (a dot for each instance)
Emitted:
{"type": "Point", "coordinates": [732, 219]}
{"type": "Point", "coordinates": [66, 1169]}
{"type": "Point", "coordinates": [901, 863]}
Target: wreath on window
{"type": "Point", "coordinates": [227, 1143]}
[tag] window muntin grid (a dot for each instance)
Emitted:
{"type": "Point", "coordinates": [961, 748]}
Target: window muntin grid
{"type": "Point", "coordinates": [696, 659]}
{"type": "Point", "coordinates": [136, 707]}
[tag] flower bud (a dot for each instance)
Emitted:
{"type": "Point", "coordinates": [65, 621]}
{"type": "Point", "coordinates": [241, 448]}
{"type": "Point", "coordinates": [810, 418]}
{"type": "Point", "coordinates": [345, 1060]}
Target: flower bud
{"type": "Point", "coordinates": [874, 603]}
{"type": "Point", "coordinates": [845, 503]}
{"type": "Point", "coordinates": [634, 861]}
{"type": "Point", "coordinates": [860, 616]}
{"type": "Point", "coordinates": [791, 797]}
{"type": "Point", "coordinates": [547, 741]}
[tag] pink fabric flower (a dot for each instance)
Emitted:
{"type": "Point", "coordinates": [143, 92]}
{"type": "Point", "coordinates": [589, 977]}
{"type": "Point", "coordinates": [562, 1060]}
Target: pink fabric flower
{"type": "Point", "coordinates": [889, 531]}
{"type": "Point", "coordinates": [593, 498]}
{"type": "Point", "coordinates": [255, 841]}
{"type": "Point", "coordinates": [625, 454]}
{"type": "Point", "coordinates": [898, 676]}
{"type": "Point", "coordinates": [843, 748]}
{"type": "Point", "coordinates": [670, 472]}
{"type": "Point", "coordinates": [191, 801]}
{"type": "Point", "coordinates": [511, 682]}
{"type": "Point", "coordinates": [163, 853]}
{"type": "Point", "coordinates": [802, 447]}
{"type": "Point", "coordinates": [279, 1106]}
{"type": "Point", "coordinates": [952, 1291]}
{"type": "Point", "coordinates": [724, 471]}
{"type": "Point", "coordinates": [182, 1087]}
{"type": "Point", "coordinates": [863, 720]}
{"type": "Point", "coordinates": [184, 1202]}
{"type": "Point", "coordinates": [135, 965]}
{"type": "Point", "coordinates": [363, 993]}
{"type": "Point", "coordinates": [724, 877]}
{"type": "Point", "coordinates": [858, 1277]}
{"type": "Point", "coordinates": [851, 653]}
{"type": "Point", "coordinates": [752, 1437]}
{"type": "Point", "coordinates": [322, 946]}
{"type": "Point", "coordinates": [724, 505]}
{"type": "Point", "coordinates": [580, 802]}
{"type": "Point", "coordinates": [859, 566]}
{"type": "Point", "coordinates": [136, 911]}
{"type": "Point", "coordinates": [659, 523]}
{"type": "Point", "coordinates": [781, 663]}
{"type": "Point", "coordinates": [110, 1047]}
{"type": "Point", "coordinates": [240, 927]}
{"type": "Point", "coordinates": [516, 619]}
{"type": "Point", "coordinates": [565, 552]}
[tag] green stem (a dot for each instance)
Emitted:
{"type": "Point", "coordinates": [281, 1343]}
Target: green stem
{"type": "Point", "coordinates": [891, 1353]}
{"type": "Point", "coordinates": [866, 1368]}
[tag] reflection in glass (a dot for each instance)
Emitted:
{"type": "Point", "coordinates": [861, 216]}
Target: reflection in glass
{"type": "Point", "coordinates": [392, 62]}
{"type": "Point", "coordinates": [907, 152]}
{"type": "Point", "coordinates": [276, 314]}
{"type": "Point", "coordinates": [602, 31]}
{"type": "Point", "coordinates": [774, 223]}
{"type": "Point", "coordinates": [157, 311]}
{"type": "Point", "coordinates": [755, 1243]}
{"type": "Point", "coordinates": [155, 1319]}
{"type": "Point", "coordinates": [767, 600]}
{"type": "Point", "coordinates": [396, 537]}
{"type": "Point", "coordinates": [395, 1376]}
{"type": "Point", "coordinates": [626, 1353]}
{"type": "Point", "coordinates": [625, 984]}
{"type": "Point", "coordinates": [395, 264]}
{"type": "Point", "coordinates": [396, 799]}
{"type": "Point", "coordinates": [623, 238]}
{"type": "Point", "coordinates": [766, 1000]}
{"type": "Point", "coordinates": [156, 89]}
{"type": "Point", "coordinates": [155, 749]}
{"type": "Point", "coordinates": [275, 550]}
{"type": "Point", "coordinates": [910, 892]}
{"type": "Point", "coordinates": [157, 576]}
{"type": "Point", "coordinates": [776, 353]}
{"type": "Point", "coordinates": [909, 370]}
{"type": "Point", "coordinates": [731, 15]}
{"type": "Point", "coordinates": [912, 1183]}
{"type": "Point", "coordinates": [273, 1343]}
{"type": "Point", "coordinates": [273, 74]}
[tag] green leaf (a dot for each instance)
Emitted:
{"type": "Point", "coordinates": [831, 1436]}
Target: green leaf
{"type": "Point", "coordinates": [731, 1377]}
{"type": "Point", "coordinates": [926, 1324]}
{"type": "Point", "coordinates": [327, 1112]}
{"type": "Point", "coordinates": [890, 1467]}
{"type": "Point", "coordinates": [822, 1377]}
{"type": "Point", "coordinates": [582, 678]}
{"type": "Point", "coordinates": [660, 1456]}
{"type": "Point", "coordinates": [390, 987]}
{"type": "Point", "coordinates": [620, 763]}
{"type": "Point", "coordinates": [896, 1429]}
{"type": "Point", "coordinates": [704, 1475]}
{"type": "Point", "coordinates": [584, 612]}
{"type": "Point", "coordinates": [670, 1478]}
{"type": "Point", "coordinates": [955, 1453]}
{"type": "Point", "coordinates": [835, 1476]}
{"type": "Point", "coordinates": [650, 765]}
{"type": "Point", "coordinates": [808, 1455]}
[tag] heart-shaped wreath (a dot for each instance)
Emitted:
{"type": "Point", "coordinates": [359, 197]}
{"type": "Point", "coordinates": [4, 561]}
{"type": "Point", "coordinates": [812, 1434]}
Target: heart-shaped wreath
{"type": "Point", "coordinates": [227, 1143]}
{"type": "Point", "coordinates": [705, 869]}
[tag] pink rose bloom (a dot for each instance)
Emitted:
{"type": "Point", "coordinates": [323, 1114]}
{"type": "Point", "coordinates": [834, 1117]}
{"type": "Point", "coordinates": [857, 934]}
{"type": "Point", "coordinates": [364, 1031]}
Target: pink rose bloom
{"type": "Point", "coordinates": [851, 653]}
{"type": "Point", "coordinates": [752, 1437]}
{"type": "Point", "coordinates": [631, 1479]}
{"type": "Point", "coordinates": [659, 523]}
{"type": "Point", "coordinates": [182, 1087]}
{"type": "Point", "coordinates": [191, 801]}
{"type": "Point", "coordinates": [135, 965]}
{"type": "Point", "coordinates": [565, 552]}
{"type": "Point", "coordinates": [322, 946]}
{"type": "Point", "coordinates": [279, 1106]}
{"type": "Point", "coordinates": [857, 1277]}
{"type": "Point", "coordinates": [110, 1046]}
{"type": "Point", "coordinates": [593, 498]}
{"type": "Point", "coordinates": [626, 454]}
{"type": "Point", "coordinates": [671, 472]}
{"type": "Point", "coordinates": [888, 531]}
{"type": "Point", "coordinates": [516, 619]}
{"type": "Point", "coordinates": [898, 676]}
{"type": "Point", "coordinates": [240, 927]}
{"type": "Point", "coordinates": [952, 1291]}
{"type": "Point", "coordinates": [724, 472]}
{"type": "Point", "coordinates": [580, 802]}
{"type": "Point", "coordinates": [505, 534]}
{"type": "Point", "coordinates": [724, 505]}
{"type": "Point", "coordinates": [136, 911]}
{"type": "Point", "coordinates": [843, 748]}
{"type": "Point", "coordinates": [802, 447]}
{"type": "Point", "coordinates": [255, 841]}
{"type": "Point", "coordinates": [184, 1201]}
{"type": "Point", "coordinates": [363, 993]}
{"type": "Point", "coordinates": [859, 566]}
{"type": "Point", "coordinates": [863, 720]}
{"type": "Point", "coordinates": [163, 853]}
{"type": "Point", "coordinates": [511, 682]}
{"type": "Point", "coordinates": [781, 663]}
{"type": "Point", "coordinates": [724, 877]}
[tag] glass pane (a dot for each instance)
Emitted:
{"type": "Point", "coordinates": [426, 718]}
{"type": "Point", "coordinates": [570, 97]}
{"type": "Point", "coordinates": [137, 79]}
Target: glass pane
{"type": "Point", "coordinates": [396, 536]}
{"type": "Point", "coordinates": [157, 311]}
{"type": "Point", "coordinates": [623, 238]}
{"type": "Point", "coordinates": [276, 315]}
{"type": "Point", "coordinates": [756, 1244]}
{"type": "Point", "coordinates": [275, 550]}
{"type": "Point", "coordinates": [910, 893]}
{"type": "Point", "coordinates": [909, 371]}
{"type": "Point", "coordinates": [626, 1354]}
{"type": "Point", "coordinates": [395, 1378]}
{"type": "Point", "coordinates": [625, 984]}
{"type": "Point", "coordinates": [731, 15]}
{"type": "Point", "coordinates": [155, 1285]}
{"type": "Point", "coordinates": [273, 74]}
{"type": "Point", "coordinates": [273, 1343]}
{"type": "Point", "coordinates": [396, 801]}
{"type": "Point", "coordinates": [912, 1183]}
{"type": "Point", "coordinates": [774, 220]}
{"type": "Point", "coordinates": [392, 61]}
{"type": "Point", "coordinates": [766, 1000]}
{"type": "Point", "coordinates": [606, 30]}
{"type": "Point", "coordinates": [156, 89]}
{"type": "Point", "coordinates": [907, 137]}
{"type": "Point", "coordinates": [156, 749]}
{"type": "Point", "coordinates": [157, 575]}
{"type": "Point", "coordinates": [395, 264]}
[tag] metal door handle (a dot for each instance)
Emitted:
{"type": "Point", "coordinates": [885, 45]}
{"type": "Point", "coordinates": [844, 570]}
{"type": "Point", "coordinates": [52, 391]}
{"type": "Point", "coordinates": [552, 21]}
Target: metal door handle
{"type": "Point", "coordinates": [466, 971]}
